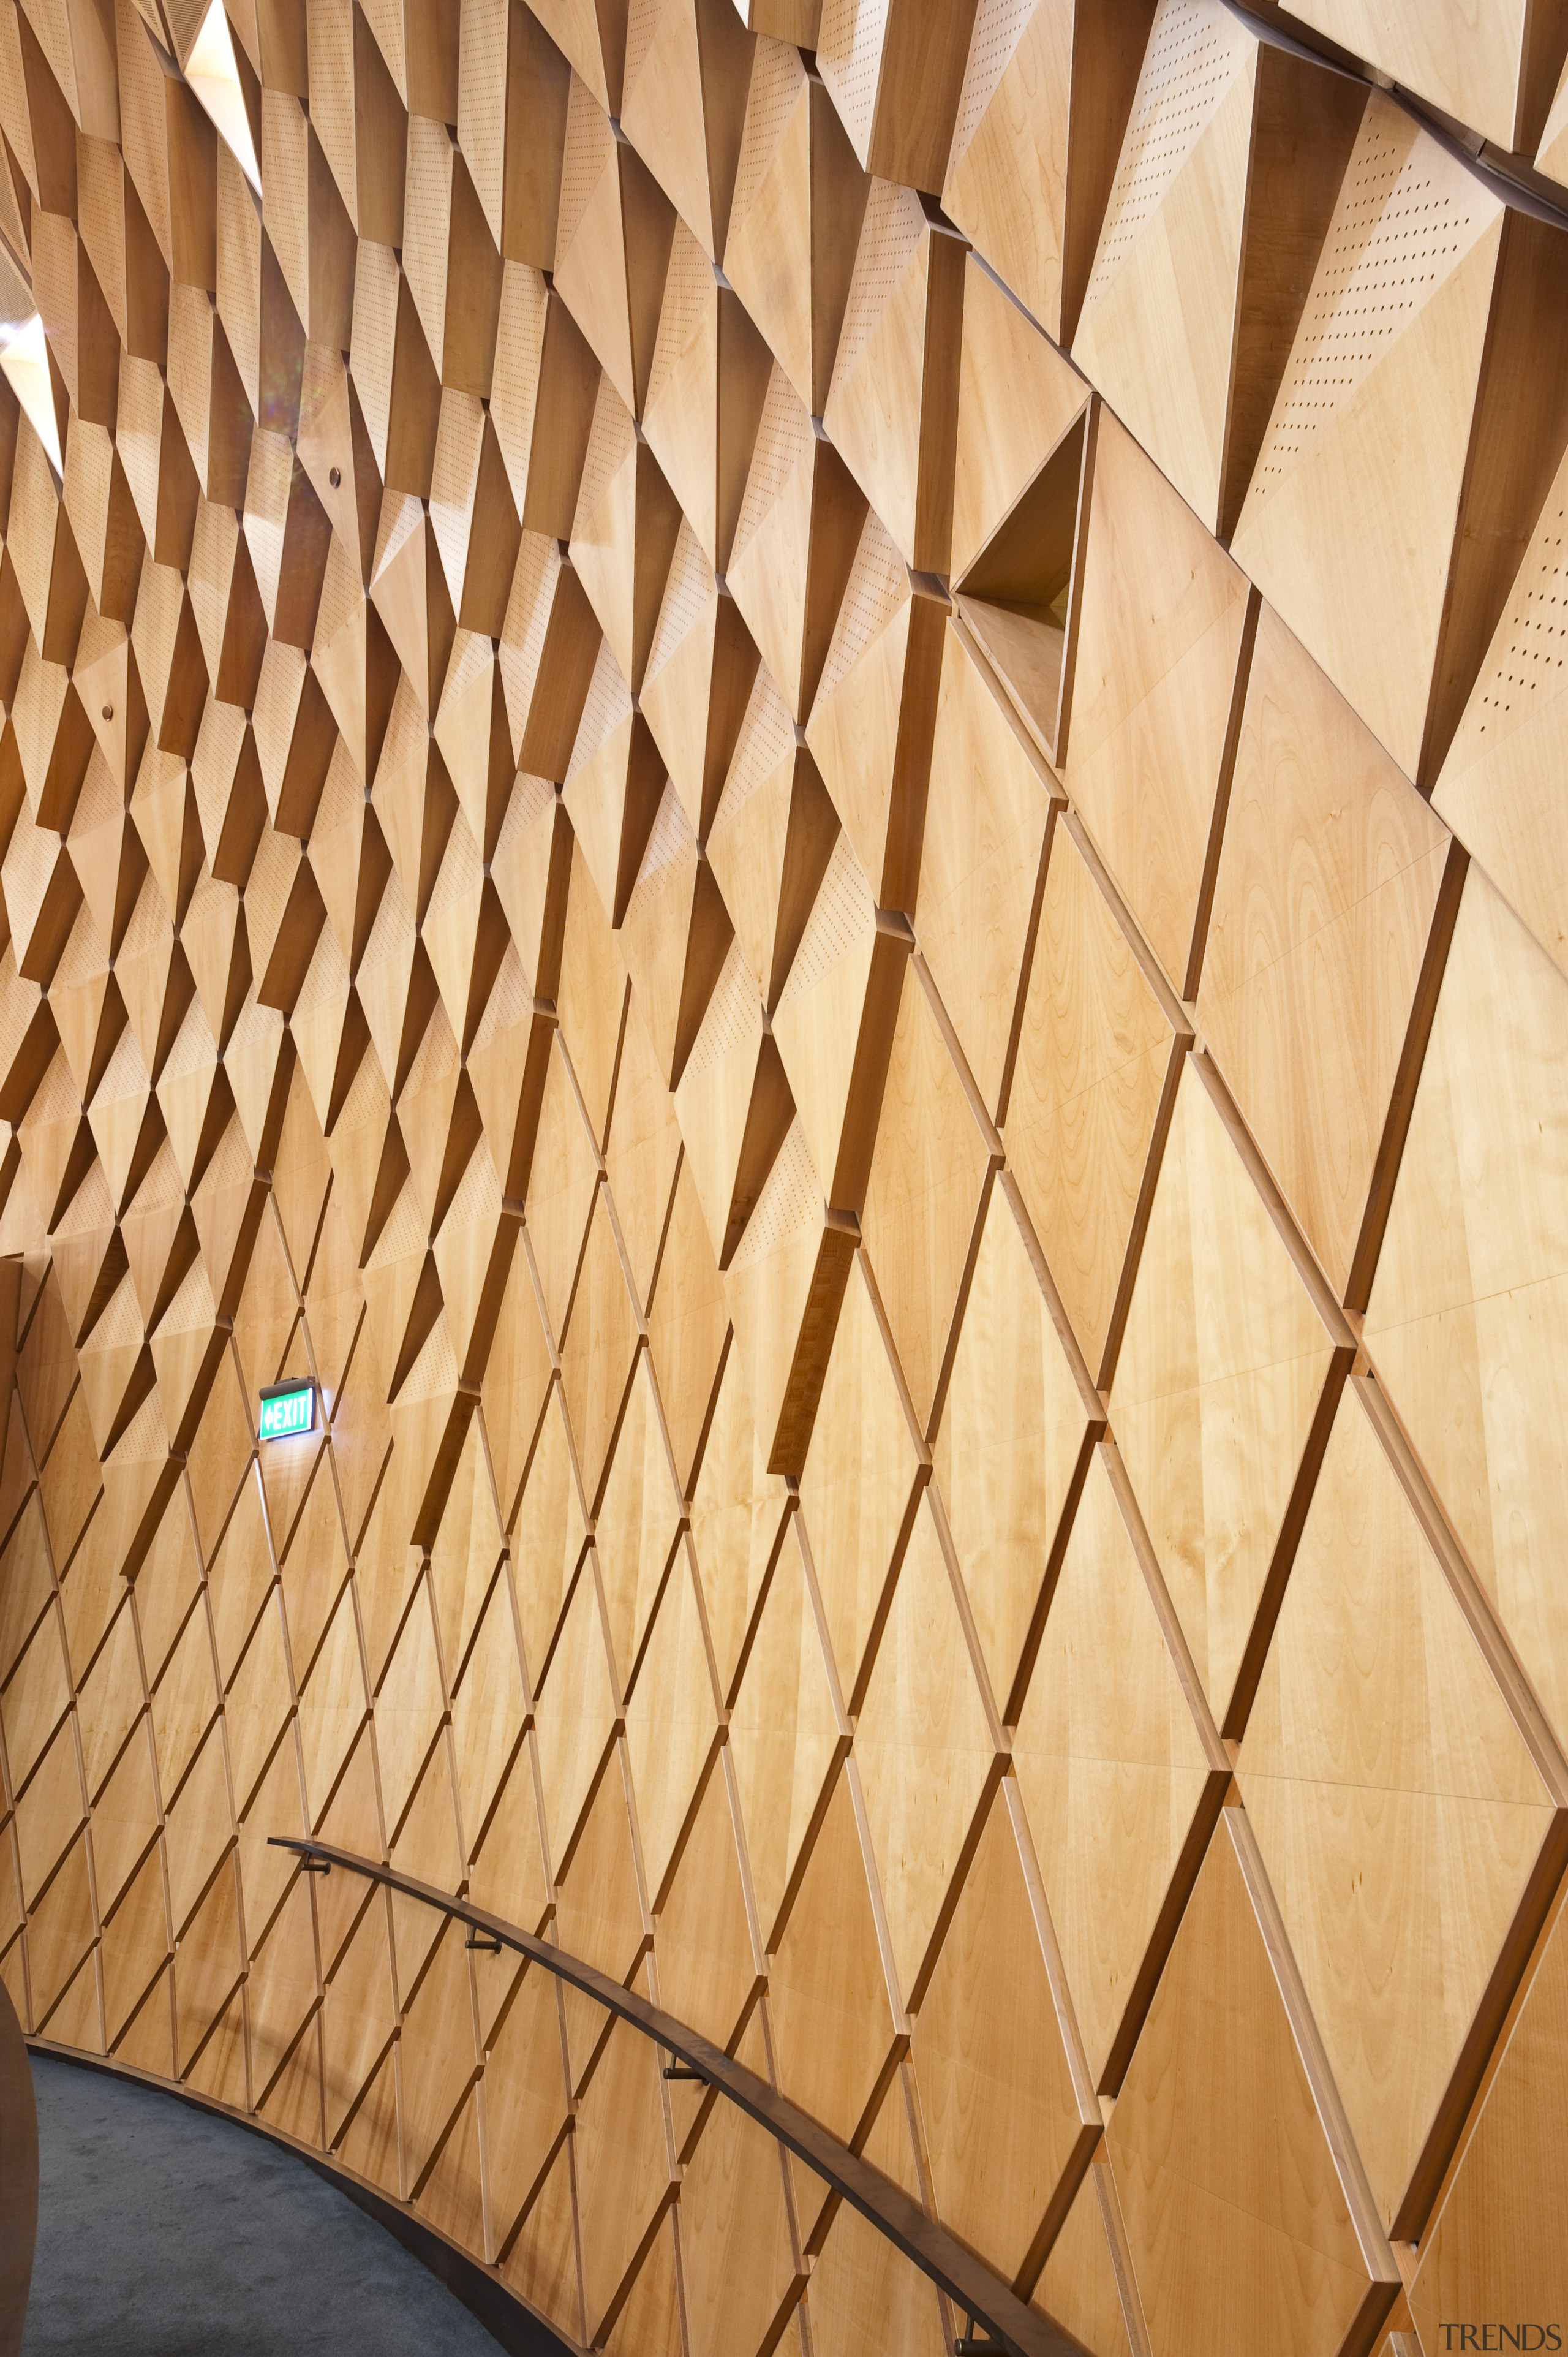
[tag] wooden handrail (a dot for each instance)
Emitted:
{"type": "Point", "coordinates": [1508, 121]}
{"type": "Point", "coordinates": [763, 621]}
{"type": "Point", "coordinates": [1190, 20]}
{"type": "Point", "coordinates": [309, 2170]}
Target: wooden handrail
{"type": "Point", "coordinates": [981, 2295]}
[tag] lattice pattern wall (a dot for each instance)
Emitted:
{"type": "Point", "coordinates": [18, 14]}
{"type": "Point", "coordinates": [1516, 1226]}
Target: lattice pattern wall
{"type": "Point", "coordinates": [914, 1116]}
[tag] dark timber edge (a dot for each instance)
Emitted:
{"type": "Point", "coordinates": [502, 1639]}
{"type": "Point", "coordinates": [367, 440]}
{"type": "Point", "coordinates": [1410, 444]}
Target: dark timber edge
{"type": "Point", "coordinates": [504, 2313]}
{"type": "Point", "coordinates": [1021, 2331]}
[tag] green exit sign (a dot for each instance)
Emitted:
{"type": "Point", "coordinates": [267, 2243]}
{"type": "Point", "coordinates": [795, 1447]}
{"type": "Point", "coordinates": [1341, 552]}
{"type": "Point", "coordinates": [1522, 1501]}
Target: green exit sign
{"type": "Point", "coordinates": [287, 1408]}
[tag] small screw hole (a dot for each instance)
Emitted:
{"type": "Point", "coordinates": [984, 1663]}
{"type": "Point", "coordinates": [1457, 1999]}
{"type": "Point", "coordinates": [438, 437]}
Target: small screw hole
{"type": "Point", "coordinates": [335, 478]}
{"type": "Point", "coordinates": [109, 711]}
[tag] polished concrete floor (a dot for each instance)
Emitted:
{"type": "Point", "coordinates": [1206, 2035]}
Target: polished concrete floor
{"type": "Point", "coordinates": [166, 2232]}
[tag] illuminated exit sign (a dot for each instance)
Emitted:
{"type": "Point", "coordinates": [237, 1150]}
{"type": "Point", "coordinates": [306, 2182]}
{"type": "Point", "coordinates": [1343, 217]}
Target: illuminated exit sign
{"type": "Point", "coordinates": [287, 1408]}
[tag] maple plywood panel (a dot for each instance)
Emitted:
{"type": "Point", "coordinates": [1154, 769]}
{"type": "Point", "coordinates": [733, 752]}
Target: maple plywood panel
{"type": "Point", "coordinates": [1486, 2246]}
{"type": "Point", "coordinates": [1329, 891]}
{"type": "Point", "coordinates": [799, 195]}
{"type": "Point", "coordinates": [834, 2027]}
{"type": "Point", "coordinates": [525, 2096]}
{"type": "Point", "coordinates": [925, 1753]}
{"type": "Point", "coordinates": [487, 1709]}
{"type": "Point", "coordinates": [623, 2162]}
{"type": "Point", "coordinates": [1412, 225]}
{"type": "Point", "coordinates": [1095, 1053]}
{"type": "Point", "coordinates": [649, 2312]}
{"type": "Point", "coordinates": [1008, 1459]}
{"type": "Point", "coordinates": [1220, 1390]}
{"type": "Point", "coordinates": [785, 1736]}
{"type": "Point", "coordinates": [739, 2266]}
{"type": "Point", "coordinates": [1498, 790]}
{"type": "Point", "coordinates": [636, 1525]}
{"type": "Point", "coordinates": [644, 1144]}
{"type": "Point", "coordinates": [870, 729]}
{"type": "Point", "coordinates": [1215, 2100]}
{"type": "Point", "coordinates": [1002, 2121]}
{"type": "Point", "coordinates": [1084, 2285]}
{"type": "Point", "coordinates": [1465, 1310]}
{"type": "Point", "coordinates": [597, 1352]}
{"type": "Point", "coordinates": [281, 1994]}
{"type": "Point", "coordinates": [987, 823]}
{"type": "Point", "coordinates": [924, 1195]}
{"type": "Point", "coordinates": [452, 2197]}
{"type": "Point", "coordinates": [893, 401]}
{"type": "Point", "coordinates": [437, 2057]}
{"type": "Point", "coordinates": [1013, 129]}
{"type": "Point", "coordinates": [463, 1553]}
{"type": "Point", "coordinates": [865, 2294]}
{"type": "Point", "coordinates": [576, 1711]}
{"type": "Point", "coordinates": [599, 1904]}
{"type": "Point", "coordinates": [509, 1875]}
{"type": "Point", "coordinates": [1467, 64]}
{"type": "Point", "coordinates": [898, 113]}
{"type": "Point", "coordinates": [1156, 328]}
{"type": "Point", "coordinates": [737, 1512]}
{"type": "Point", "coordinates": [859, 1480]}
{"type": "Point", "coordinates": [1112, 1770]}
{"type": "Point", "coordinates": [1162, 629]}
{"type": "Point", "coordinates": [671, 1722]}
{"type": "Point", "coordinates": [688, 1328]}
{"type": "Point", "coordinates": [546, 1534]}
{"type": "Point", "coordinates": [1398, 1775]}
{"type": "Point", "coordinates": [542, 2263]}
{"type": "Point", "coordinates": [1551, 156]}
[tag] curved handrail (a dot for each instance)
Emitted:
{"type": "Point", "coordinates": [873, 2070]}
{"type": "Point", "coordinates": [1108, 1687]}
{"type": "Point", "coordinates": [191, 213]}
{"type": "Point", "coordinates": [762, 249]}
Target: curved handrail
{"type": "Point", "coordinates": [1014, 2326]}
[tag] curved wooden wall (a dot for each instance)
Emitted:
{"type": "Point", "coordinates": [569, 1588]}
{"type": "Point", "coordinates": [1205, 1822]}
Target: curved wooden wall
{"type": "Point", "coordinates": [799, 786]}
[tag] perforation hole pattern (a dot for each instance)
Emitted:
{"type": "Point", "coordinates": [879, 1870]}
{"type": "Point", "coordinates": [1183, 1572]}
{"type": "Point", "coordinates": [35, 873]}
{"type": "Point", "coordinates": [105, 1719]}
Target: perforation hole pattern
{"type": "Point", "coordinates": [849, 52]}
{"type": "Point", "coordinates": [778, 79]}
{"type": "Point", "coordinates": [481, 103]}
{"type": "Point", "coordinates": [1195, 56]}
{"type": "Point", "coordinates": [842, 916]}
{"type": "Point", "coordinates": [792, 1199]}
{"type": "Point", "coordinates": [531, 797]}
{"type": "Point", "coordinates": [611, 439]}
{"type": "Point", "coordinates": [766, 735]}
{"type": "Point", "coordinates": [671, 840]}
{"type": "Point", "coordinates": [1537, 631]}
{"type": "Point", "coordinates": [641, 25]}
{"type": "Point", "coordinates": [476, 1190]}
{"type": "Point", "coordinates": [888, 238]}
{"type": "Point", "coordinates": [608, 703]}
{"type": "Point", "coordinates": [462, 871]}
{"type": "Point", "coordinates": [390, 928]}
{"type": "Point", "coordinates": [509, 1002]}
{"type": "Point", "coordinates": [528, 615]}
{"type": "Point", "coordinates": [732, 1015]}
{"type": "Point", "coordinates": [468, 661]}
{"type": "Point", "coordinates": [436, 1369]}
{"type": "Point", "coordinates": [877, 586]}
{"type": "Point", "coordinates": [367, 1096]}
{"type": "Point", "coordinates": [426, 213]}
{"type": "Point", "coordinates": [782, 438]}
{"type": "Point", "coordinates": [1405, 219]}
{"type": "Point", "coordinates": [588, 142]}
{"type": "Point", "coordinates": [688, 285]}
{"type": "Point", "coordinates": [999, 27]}
{"type": "Point", "coordinates": [686, 594]}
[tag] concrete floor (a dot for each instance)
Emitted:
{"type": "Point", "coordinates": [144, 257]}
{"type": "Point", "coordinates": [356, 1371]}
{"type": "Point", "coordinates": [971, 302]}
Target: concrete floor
{"type": "Point", "coordinates": [166, 2232]}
